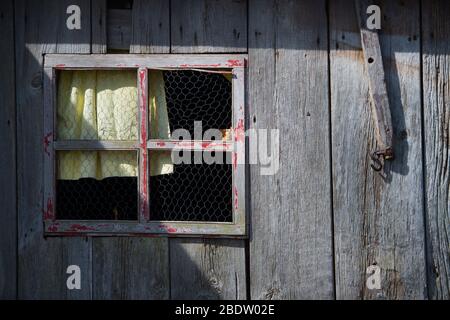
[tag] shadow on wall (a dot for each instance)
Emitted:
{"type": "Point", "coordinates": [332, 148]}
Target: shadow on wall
{"type": "Point", "coordinates": [118, 268]}
{"type": "Point", "coordinates": [400, 163]}
{"type": "Point", "coordinates": [135, 267]}
{"type": "Point", "coordinates": [217, 271]}
{"type": "Point", "coordinates": [148, 267]}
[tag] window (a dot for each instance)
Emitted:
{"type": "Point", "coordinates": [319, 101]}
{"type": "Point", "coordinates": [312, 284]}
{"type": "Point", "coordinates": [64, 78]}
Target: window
{"type": "Point", "coordinates": [144, 144]}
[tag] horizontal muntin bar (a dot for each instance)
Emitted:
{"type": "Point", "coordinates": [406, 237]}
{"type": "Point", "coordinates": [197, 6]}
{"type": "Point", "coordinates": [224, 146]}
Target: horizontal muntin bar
{"type": "Point", "coordinates": [95, 145]}
{"type": "Point", "coordinates": [195, 145]}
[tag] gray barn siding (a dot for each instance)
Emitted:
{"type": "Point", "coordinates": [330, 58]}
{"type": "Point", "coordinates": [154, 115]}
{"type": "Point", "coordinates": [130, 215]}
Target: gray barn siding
{"type": "Point", "coordinates": [8, 227]}
{"type": "Point", "coordinates": [208, 269]}
{"type": "Point", "coordinates": [40, 28]}
{"type": "Point", "coordinates": [436, 75]}
{"type": "Point", "coordinates": [134, 268]}
{"type": "Point", "coordinates": [291, 241]}
{"type": "Point", "coordinates": [377, 221]}
{"type": "Point", "coordinates": [318, 223]}
{"type": "Point", "coordinates": [200, 26]}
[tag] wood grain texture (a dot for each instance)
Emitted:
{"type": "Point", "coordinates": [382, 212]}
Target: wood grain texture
{"type": "Point", "coordinates": [150, 27]}
{"type": "Point", "coordinates": [436, 75]}
{"type": "Point", "coordinates": [8, 228]}
{"type": "Point", "coordinates": [118, 31]}
{"type": "Point", "coordinates": [377, 220]}
{"type": "Point", "coordinates": [98, 21]}
{"type": "Point", "coordinates": [215, 27]}
{"type": "Point", "coordinates": [199, 26]}
{"type": "Point", "coordinates": [154, 61]}
{"type": "Point", "coordinates": [132, 268]}
{"type": "Point", "coordinates": [41, 28]}
{"type": "Point", "coordinates": [291, 239]}
{"type": "Point", "coordinates": [207, 269]}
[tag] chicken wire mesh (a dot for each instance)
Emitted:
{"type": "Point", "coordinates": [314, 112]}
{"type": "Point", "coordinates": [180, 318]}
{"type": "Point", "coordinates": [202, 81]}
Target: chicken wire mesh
{"type": "Point", "coordinates": [193, 192]}
{"type": "Point", "coordinates": [96, 185]}
{"type": "Point", "coordinates": [198, 96]}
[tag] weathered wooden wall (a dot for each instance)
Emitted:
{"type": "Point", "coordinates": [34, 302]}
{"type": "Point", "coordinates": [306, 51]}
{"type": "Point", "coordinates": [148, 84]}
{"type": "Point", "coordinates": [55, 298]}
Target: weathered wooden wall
{"type": "Point", "coordinates": [40, 28]}
{"type": "Point", "coordinates": [436, 128]}
{"type": "Point", "coordinates": [291, 253]}
{"type": "Point", "coordinates": [320, 221]}
{"type": "Point", "coordinates": [377, 221]}
{"type": "Point", "coordinates": [8, 227]}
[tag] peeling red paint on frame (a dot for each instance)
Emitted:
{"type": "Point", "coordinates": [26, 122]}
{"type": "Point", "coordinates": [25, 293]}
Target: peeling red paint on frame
{"type": "Point", "coordinates": [80, 227]}
{"type": "Point", "coordinates": [143, 105]}
{"type": "Point", "coordinates": [60, 66]}
{"type": "Point", "coordinates": [144, 213]}
{"type": "Point", "coordinates": [200, 65]}
{"type": "Point", "coordinates": [167, 228]}
{"type": "Point", "coordinates": [53, 227]}
{"type": "Point", "coordinates": [48, 212]}
{"type": "Point", "coordinates": [182, 144]}
{"type": "Point", "coordinates": [213, 144]}
{"type": "Point", "coordinates": [235, 63]}
{"type": "Point", "coordinates": [205, 145]}
{"type": "Point", "coordinates": [239, 131]}
{"type": "Point", "coordinates": [236, 200]}
{"type": "Point", "coordinates": [47, 140]}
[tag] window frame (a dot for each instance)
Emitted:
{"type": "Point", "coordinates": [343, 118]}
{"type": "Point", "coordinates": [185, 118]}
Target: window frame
{"type": "Point", "coordinates": [143, 226]}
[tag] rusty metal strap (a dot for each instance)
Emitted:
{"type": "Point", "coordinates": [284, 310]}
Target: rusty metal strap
{"type": "Point", "coordinates": [377, 87]}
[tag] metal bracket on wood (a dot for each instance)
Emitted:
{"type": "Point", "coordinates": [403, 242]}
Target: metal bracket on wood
{"type": "Point", "coordinates": [377, 86]}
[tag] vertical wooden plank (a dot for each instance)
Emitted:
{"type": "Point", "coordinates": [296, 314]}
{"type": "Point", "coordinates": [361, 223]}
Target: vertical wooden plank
{"type": "Point", "coordinates": [436, 75]}
{"type": "Point", "coordinates": [99, 22]}
{"type": "Point", "coordinates": [8, 228]}
{"type": "Point", "coordinates": [150, 31]}
{"type": "Point", "coordinates": [208, 26]}
{"type": "Point", "coordinates": [72, 41]}
{"type": "Point", "coordinates": [118, 32]}
{"type": "Point", "coordinates": [43, 262]}
{"type": "Point", "coordinates": [378, 221]}
{"type": "Point", "coordinates": [133, 268]}
{"type": "Point", "coordinates": [207, 269]}
{"type": "Point", "coordinates": [291, 240]}
{"type": "Point", "coordinates": [130, 268]}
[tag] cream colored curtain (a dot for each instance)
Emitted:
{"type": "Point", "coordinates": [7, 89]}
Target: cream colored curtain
{"type": "Point", "coordinates": [102, 105]}
{"type": "Point", "coordinates": [160, 162]}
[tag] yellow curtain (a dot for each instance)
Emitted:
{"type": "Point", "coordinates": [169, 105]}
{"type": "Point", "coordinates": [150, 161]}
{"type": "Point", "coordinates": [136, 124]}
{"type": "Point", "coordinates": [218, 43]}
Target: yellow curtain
{"type": "Point", "coordinates": [160, 162]}
{"type": "Point", "coordinates": [228, 76]}
{"type": "Point", "coordinates": [102, 105]}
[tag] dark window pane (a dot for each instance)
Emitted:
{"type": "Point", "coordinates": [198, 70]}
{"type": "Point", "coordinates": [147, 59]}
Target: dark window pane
{"type": "Point", "coordinates": [193, 192]}
{"type": "Point", "coordinates": [198, 96]}
{"type": "Point", "coordinates": [96, 185]}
